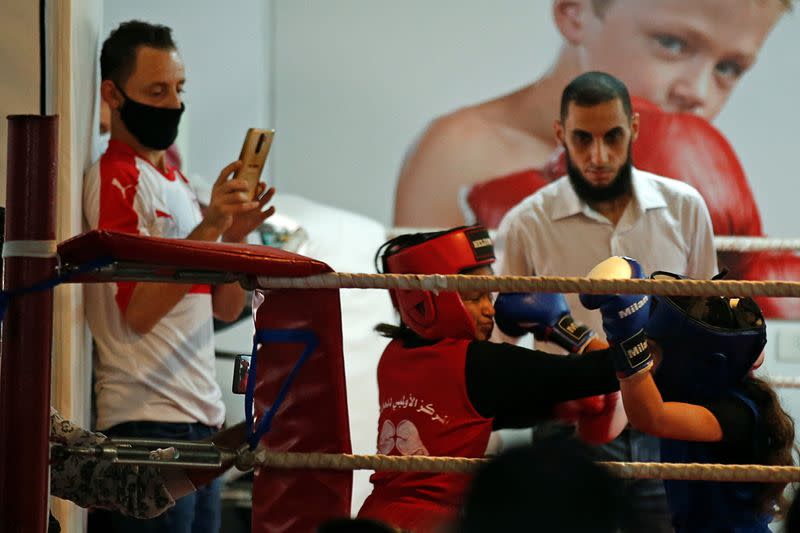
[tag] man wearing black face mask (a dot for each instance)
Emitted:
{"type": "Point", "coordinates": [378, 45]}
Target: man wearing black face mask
{"type": "Point", "coordinates": [155, 370]}
{"type": "Point", "coordinates": [605, 206]}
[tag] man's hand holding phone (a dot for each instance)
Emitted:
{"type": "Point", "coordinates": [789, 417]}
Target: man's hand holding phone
{"type": "Point", "coordinates": [255, 149]}
{"type": "Point", "coordinates": [237, 203]}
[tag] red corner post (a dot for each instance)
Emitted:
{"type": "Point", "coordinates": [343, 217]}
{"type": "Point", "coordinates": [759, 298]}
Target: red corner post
{"type": "Point", "coordinates": [28, 326]}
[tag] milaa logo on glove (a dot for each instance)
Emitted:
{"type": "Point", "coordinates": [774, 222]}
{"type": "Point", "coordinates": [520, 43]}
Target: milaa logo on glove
{"type": "Point", "coordinates": [572, 329]}
{"type": "Point", "coordinates": [636, 351]}
{"type": "Point", "coordinates": [628, 311]}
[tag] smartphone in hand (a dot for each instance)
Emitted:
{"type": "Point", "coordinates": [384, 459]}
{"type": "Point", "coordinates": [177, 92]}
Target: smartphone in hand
{"type": "Point", "coordinates": [254, 153]}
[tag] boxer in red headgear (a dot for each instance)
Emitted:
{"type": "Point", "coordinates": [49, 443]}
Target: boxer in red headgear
{"type": "Point", "coordinates": [443, 387]}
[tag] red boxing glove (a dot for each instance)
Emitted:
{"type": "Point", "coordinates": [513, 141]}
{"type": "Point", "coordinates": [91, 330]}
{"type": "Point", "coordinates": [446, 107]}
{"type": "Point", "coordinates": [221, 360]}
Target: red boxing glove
{"type": "Point", "coordinates": [606, 425]}
{"type": "Point", "coordinates": [688, 148]}
{"type": "Point", "coordinates": [490, 200]}
{"type": "Point", "coordinates": [771, 266]}
{"type": "Point", "coordinates": [574, 410]}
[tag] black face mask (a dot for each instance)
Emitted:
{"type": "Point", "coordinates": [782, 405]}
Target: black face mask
{"type": "Point", "coordinates": [619, 186]}
{"type": "Point", "coordinates": [154, 127]}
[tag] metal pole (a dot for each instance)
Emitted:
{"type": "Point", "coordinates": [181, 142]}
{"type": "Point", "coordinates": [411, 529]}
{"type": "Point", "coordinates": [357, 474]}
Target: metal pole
{"type": "Point", "coordinates": [28, 327]}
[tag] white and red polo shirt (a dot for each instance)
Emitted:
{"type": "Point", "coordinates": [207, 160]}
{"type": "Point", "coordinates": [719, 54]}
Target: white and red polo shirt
{"type": "Point", "coordinates": [167, 374]}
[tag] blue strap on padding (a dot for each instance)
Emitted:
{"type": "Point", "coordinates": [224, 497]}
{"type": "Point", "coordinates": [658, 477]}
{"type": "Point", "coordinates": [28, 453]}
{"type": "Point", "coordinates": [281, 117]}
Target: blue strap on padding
{"type": "Point", "coordinates": [7, 296]}
{"type": "Point", "coordinates": [264, 336]}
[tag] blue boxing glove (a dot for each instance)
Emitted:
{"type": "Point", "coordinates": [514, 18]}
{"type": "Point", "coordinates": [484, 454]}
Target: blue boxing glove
{"type": "Point", "coordinates": [624, 316]}
{"type": "Point", "coordinates": [546, 315]}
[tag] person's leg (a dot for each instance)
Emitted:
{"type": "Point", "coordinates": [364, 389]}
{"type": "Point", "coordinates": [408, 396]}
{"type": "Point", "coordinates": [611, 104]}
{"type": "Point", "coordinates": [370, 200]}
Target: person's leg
{"type": "Point", "coordinates": [208, 503]}
{"type": "Point", "coordinates": [647, 501]}
{"type": "Point", "coordinates": [177, 519]}
{"type": "Point", "coordinates": [208, 509]}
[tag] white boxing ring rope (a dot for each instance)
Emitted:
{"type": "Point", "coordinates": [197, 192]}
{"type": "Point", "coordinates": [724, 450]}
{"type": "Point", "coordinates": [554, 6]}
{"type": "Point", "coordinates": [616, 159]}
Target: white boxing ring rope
{"type": "Point", "coordinates": [693, 471]}
{"type": "Point", "coordinates": [673, 287]}
{"type": "Point", "coordinates": [755, 244]}
{"type": "Point", "coordinates": [547, 283]}
{"type": "Point", "coordinates": [460, 282]}
{"type": "Point", "coordinates": [424, 463]}
{"type": "Point", "coordinates": [723, 243]}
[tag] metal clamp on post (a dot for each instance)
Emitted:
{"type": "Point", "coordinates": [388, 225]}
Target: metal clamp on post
{"type": "Point", "coordinates": [155, 452]}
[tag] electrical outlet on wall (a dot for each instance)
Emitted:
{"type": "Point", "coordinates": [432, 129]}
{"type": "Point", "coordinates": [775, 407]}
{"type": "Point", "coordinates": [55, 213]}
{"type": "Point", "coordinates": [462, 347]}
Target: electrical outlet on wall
{"type": "Point", "coordinates": [788, 344]}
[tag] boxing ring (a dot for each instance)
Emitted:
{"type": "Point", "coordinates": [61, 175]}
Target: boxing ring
{"type": "Point", "coordinates": [296, 408]}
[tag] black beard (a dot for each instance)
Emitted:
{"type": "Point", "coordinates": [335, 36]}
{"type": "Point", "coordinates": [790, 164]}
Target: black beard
{"type": "Point", "coordinates": [619, 186]}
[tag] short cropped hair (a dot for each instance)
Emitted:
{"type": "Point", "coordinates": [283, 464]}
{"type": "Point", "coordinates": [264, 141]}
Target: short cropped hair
{"type": "Point", "coordinates": [593, 88]}
{"type": "Point", "coordinates": [118, 56]}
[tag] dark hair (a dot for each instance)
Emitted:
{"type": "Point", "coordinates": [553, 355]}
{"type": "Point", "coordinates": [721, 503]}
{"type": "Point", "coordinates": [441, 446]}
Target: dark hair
{"type": "Point", "coordinates": [401, 332]}
{"type": "Point", "coordinates": [401, 242]}
{"type": "Point", "coordinates": [537, 487]}
{"type": "Point", "coordinates": [791, 522]}
{"type": "Point", "coordinates": [593, 88]}
{"type": "Point", "coordinates": [778, 444]}
{"type": "Point", "coordinates": [118, 57]}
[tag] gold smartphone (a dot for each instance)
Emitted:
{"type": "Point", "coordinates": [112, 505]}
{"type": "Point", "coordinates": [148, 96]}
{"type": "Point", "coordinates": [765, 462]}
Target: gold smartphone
{"type": "Point", "coordinates": [255, 149]}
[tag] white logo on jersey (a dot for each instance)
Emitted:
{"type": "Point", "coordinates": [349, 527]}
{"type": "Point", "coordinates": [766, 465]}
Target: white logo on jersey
{"type": "Point", "coordinates": [405, 437]}
{"type": "Point", "coordinates": [123, 189]}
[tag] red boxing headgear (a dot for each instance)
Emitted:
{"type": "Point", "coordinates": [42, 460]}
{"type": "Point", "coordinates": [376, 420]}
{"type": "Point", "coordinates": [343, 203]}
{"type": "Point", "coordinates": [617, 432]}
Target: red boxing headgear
{"type": "Point", "coordinates": [437, 315]}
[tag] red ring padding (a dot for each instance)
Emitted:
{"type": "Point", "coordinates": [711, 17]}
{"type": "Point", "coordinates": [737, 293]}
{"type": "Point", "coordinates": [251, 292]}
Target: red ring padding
{"type": "Point", "coordinates": [313, 417]}
{"type": "Point", "coordinates": [195, 255]}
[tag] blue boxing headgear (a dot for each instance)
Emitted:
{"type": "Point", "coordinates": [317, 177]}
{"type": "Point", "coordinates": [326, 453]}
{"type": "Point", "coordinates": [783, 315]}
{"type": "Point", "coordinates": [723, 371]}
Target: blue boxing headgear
{"type": "Point", "coordinates": [708, 344]}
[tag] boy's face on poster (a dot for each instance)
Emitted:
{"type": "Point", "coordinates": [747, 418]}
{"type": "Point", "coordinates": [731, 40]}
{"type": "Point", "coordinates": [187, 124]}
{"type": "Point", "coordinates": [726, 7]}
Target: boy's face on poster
{"type": "Point", "coordinates": [684, 55]}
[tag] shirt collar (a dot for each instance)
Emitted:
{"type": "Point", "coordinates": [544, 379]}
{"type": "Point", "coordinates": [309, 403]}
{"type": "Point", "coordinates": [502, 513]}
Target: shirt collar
{"type": "Point", "coordinates": [115, 145]}
{"type": "Point", "coordinates": [566, 202]}
{"type": "Point", "coordinates": [120, 147]}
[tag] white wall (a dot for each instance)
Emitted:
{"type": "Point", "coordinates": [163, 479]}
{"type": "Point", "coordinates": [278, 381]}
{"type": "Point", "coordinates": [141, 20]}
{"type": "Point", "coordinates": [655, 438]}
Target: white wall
{"type": "Point", "coordinates": [19, 61]}
{"type": "Point", "coordinates": [357, 80]}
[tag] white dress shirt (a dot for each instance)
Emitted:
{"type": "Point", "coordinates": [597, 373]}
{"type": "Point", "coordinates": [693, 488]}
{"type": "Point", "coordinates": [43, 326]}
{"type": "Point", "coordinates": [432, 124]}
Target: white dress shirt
{"type": "Point", "coordinates": [666, 226]}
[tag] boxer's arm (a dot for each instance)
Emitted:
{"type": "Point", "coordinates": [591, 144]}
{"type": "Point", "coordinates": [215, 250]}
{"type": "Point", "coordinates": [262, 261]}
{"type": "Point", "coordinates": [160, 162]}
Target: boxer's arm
{"type": "Point", "coordinates": [513, 383]}
{"type": "Point", "coordinates": [649, 413]}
